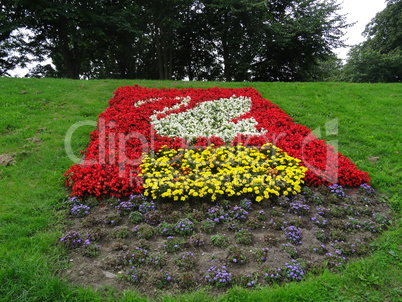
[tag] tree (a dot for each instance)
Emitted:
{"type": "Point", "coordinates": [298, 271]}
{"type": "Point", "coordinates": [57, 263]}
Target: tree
{"type": "Point", "coordinates": [10, 20]}
{"type": "Point", "coordinates": [233, 27]}
{"type": "Point", "coordinates": [379, 58]}
{"type": "Point", "coordinates": [298, 36]}
{"type": "Point", "coordinates": [232, 40]}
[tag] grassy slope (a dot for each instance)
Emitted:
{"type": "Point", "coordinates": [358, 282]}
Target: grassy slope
{"type": "Point", "coordinates": [30, 191]}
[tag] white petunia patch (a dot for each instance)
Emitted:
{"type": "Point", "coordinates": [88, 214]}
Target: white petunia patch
{"type": "Point", "coordinates": [211, 118]}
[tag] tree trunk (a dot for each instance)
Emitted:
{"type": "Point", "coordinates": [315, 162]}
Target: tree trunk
{"type": "Point", "coordinates": [71, 57]}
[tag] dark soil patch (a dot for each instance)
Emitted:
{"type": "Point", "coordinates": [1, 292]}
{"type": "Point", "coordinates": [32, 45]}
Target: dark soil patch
{"type": "Point", "coordinates": [6, 160]}
{"type": "Point", "coordinates": [251, 241]}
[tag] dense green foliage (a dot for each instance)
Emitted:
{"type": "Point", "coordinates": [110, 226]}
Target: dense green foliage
{"type": "Point", "coordinates": [379, 58]}
{"type": "Point", "coordinates": [32, 188]}
{"type": "Point", "coordinates": [232, 40]}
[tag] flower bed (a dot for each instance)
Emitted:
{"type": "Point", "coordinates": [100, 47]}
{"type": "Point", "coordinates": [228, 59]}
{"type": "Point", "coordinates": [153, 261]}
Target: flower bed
{"type": "Point", "coordinates": [141, 121]}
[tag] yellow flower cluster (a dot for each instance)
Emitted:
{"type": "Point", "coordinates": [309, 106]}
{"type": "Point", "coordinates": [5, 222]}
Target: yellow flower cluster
{"type": "Point", "coordinates": [221, 172]}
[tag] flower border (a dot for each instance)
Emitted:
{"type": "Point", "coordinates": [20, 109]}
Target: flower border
{"type": "Point", "coordinates": [124, 132]}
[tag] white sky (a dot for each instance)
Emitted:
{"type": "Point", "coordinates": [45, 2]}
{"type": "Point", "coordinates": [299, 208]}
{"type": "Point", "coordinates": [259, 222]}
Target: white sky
{"type": "Point", "coordinates": [360, 11]}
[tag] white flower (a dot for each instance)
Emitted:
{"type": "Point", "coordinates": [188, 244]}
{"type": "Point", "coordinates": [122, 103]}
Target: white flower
{"type": "Point", "coordinates": [211, 118]}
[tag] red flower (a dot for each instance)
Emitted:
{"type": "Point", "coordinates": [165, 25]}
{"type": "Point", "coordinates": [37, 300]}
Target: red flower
{"type": "Point", "coordinates": [124, 133]}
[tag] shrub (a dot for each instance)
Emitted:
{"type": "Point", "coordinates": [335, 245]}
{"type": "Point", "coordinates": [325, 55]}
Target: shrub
{"type": "Point", "coordinates": [220, 240]}
{"type": "Point", "coordinates": [125, 207]}
{"type": "Point", "coordinates": [144, 231]}
{"type": "Point", "coordinates": [237, 255]}
{"type": "Point", "coordinates": [152, 217]}
{"type": "Point", "coordinates": [219, 277]}
{"type": "Point", "coordinates": [135, 217]}
{"type": "Point", "coordinates": [197, 240]}
{"type": "Point", "coordinates": [80, 210]}
{"type": "Point", "coordinates": [261, 255]}
{"type": "Point", "coordinates": [184, 227]}
{"type": "Point", "coordinates": [249, 280]}
{"type": "Point", "coordinates": [134, 275]}
{"type": "Point", "coordinates": [72, 240]}
{"type": "Point", "coordinates": [166, 229]}
{"type": "Point", "coordinates": [294, 235]}
{"type": "Point", "coordinates": [90, 249]}
{"type": "Point", "coordinates": [156, 259]}
{"type": "Point", "coordinates": [173, 244]}
{"type": "Point", "coordinates": [208, 226]}
{"type": "Point", "coordinates": [185, 260]}
{"type": "Point", "coordinates": [120, 232]}
{"type": "Point", "coordinates": [244, 237]}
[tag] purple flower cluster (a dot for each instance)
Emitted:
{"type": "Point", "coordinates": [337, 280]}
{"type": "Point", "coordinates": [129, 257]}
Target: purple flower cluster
{"type": "Point", "coordinates": [336, 260]}
{"type": "Point", "coordinates": [370, 226]}
{"type": "Point", "coordinates": [163, 279]}
{"type": "Point", "coordinates": [291, 249]}
{"type": "Point", "coordinates": [246, 204]}
{"type": "Point", "coordinates": [273, 275]}
{"type": "Point", "coordinates": [354, 224]}
{"type": "Point", "coordinates": [125, 207]}
{"type": "Point", "coordinates": [293, 234]}
{"type": "Point", "coordinates": [167, 277]}
{"type": "Point", "coordinates": [239, 213]}
{"type": "Point", "coordinates": [72, 240]}
{"type": "Point", "coordinates": [283, 201]}
{"type": "Point", "coordinates": [146, 207]}
{"type": "Point", "coordinates": [320, 221]}
{"type": "Point", "coordinates": [90, 248]}
{"type": "Point", "coordinates": [233, 225]}
{"type": "Point", "coordinates": [156, 259]}
{"type": "Point", "coordinates": [172, 244]}
{"type": "Point", "coordinates": [138, 256]}
{"type": "Point", "coordinates": [293, 271]}
{"type": "Point", "coordinates": [186, 260]}
{"type": "Point", "coordinates": [367, 189]}
{"type": "Point", "coordinates": [297, 207]}
{"type": "Point", "coordinates": [137, 198]}
{"type": "Point", "coordinates": [322, 211]}
{"type": "Point", "coordinates": [134, 274]}
{"type": "Point", "coordinates": [217, 214]}
{"type": "Point", "coordinates": [261, 215]}
{"type": "Point", "coordinates": [381, 219]}
{"type": "Point", "coordinates": [250, 280]}
{"type": "Point", "coordinates": [80, 210]}
{"type": "Point", "coordinates": [166, 229]}
{"type": "Point", "coordinates": [197, 240]}
{"type": "Point", "coordinates": [73, 200]}
{"type": "Point", "coordinates": [152, 217]}
{"type": "Point", "coordinates": [184, 227]}
{"type": "Point", "coordinates": [262, 254]}
{"type": "Point", "coordinates": [320, 250]}
{"type": "Point", "coordinates": [218, 276]}
{"type": "Point", "coordinates": [337, 190]}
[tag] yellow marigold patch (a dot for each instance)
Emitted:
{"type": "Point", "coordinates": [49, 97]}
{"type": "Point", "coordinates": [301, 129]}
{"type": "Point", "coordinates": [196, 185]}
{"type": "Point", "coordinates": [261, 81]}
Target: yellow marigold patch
{"type": "Point", "coordinates": [216, 173]}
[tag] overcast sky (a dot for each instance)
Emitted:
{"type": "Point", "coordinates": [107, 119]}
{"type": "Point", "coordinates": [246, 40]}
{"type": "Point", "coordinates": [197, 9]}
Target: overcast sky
{"type": "Point", "coordinates": [360, 11]}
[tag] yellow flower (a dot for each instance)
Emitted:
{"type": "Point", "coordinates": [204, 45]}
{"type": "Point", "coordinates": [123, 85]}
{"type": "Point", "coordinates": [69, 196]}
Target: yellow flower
{"type": "Point", "coordinates": [240, 170]}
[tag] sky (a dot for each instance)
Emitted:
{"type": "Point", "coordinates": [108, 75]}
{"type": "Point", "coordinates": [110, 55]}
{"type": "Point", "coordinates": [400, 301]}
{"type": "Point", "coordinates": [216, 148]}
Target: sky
{"type": "Point", "coordinates": [360, 11]}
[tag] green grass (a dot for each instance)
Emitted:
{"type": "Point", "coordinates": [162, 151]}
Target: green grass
{"type": "Point", "coordinates": [31, 189]}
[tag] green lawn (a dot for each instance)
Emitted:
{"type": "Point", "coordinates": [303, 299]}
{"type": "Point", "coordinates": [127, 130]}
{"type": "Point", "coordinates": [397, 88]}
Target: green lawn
{"type": "Point", "coordinates": [31, 189]}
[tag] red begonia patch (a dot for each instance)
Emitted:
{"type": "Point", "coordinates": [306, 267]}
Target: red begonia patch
{"type": "Point", "coordinates": [124, 132]}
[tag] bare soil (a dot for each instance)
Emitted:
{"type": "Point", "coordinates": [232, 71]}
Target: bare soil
{"type": "Point", "coordinates": [347, 227]}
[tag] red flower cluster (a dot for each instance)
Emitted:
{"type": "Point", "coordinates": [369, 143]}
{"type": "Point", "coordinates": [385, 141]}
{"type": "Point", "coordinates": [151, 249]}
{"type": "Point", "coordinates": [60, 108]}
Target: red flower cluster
{"type": "Point", "coordinates": [124, 133]}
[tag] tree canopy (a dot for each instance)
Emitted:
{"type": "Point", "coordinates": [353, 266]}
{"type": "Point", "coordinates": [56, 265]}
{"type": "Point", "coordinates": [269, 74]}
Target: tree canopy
{"type": "Point", "coordinates": [379, 58]}
{"type": "Point", "coordinates": [232, 40]}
